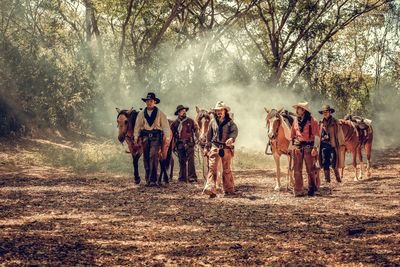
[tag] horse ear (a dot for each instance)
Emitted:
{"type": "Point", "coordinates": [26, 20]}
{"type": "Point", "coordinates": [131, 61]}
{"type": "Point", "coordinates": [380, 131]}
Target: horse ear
{"type": "Point", "coordinates": [118, 110]}
{"type": "Point", "coordinates": [266, 110]}
{"type": "Point", "coordinates": [197, 110]}
{"type": "Point", "coordinates": [280, 110]}
{"type": "Point", "coordinates": [129, 111]}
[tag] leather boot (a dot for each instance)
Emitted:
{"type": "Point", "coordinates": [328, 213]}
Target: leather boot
{"type": "Point", "coordinates": [327, 176]}
{"type": "Point", "coordinates": [338, 179]}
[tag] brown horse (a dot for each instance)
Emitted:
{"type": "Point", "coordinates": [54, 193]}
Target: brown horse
{"type": "Point", "coordinates": [203, 119]}
{"type": "Point", "coordinates": [126, 120]}
{"type": "Point", "coordinates": [354, 144]}
{"type": "Point", "coordinates": [279, 140]}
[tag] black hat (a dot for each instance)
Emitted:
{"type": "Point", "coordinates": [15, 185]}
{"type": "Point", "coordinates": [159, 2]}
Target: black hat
{"type": "Point", "coordinates": [179, 108]}
{"type": "Point", "coordinates": [151, 96]}
{"type": "Point", "coordinates": [326, 108]}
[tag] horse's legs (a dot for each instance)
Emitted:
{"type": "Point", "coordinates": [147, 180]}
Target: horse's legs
{"type": "Point", "coordinates": [163, 172]}
{"type": "Point", "coordinates": [171, 174]}
{"type": "Point", "coordinates": [368, 147]}
{"type": "Point", "coordinates": [278, 172]}
{"type": "Point", "coordinates": [354, 152]}
{"type": "Point", "coordinates": [136, 168]}
{"type": "Point", "coordinates": [290, 179]}
{"type": "Point", "coordinates": [362, 170]}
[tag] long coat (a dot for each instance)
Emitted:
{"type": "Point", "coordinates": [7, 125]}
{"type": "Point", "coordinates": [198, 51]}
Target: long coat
{"type": "Point", "coordinates": [333, 128]}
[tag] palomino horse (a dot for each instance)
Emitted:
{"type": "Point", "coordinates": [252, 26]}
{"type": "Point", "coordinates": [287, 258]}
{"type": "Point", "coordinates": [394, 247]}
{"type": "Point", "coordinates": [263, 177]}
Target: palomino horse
{"type": "Point", "coordinates": [126, 120]}
{"type": "Point", "coordinates": [355, 143]}
{"type": "Point", "coordinates": [279, 126]}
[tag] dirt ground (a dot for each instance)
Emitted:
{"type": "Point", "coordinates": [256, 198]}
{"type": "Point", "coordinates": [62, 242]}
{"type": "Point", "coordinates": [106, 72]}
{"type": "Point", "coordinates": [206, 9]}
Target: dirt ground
{"type": "Point", "coordinates": [51, 216]}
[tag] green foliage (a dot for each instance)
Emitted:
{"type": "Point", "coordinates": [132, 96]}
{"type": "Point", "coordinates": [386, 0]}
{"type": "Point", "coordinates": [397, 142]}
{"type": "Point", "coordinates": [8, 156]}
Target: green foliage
{"type": "Point", "coordinates": [63, 61]}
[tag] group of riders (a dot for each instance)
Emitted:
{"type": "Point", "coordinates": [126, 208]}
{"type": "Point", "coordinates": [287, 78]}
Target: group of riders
{"type": "Point", "coordinates": [309, 138]}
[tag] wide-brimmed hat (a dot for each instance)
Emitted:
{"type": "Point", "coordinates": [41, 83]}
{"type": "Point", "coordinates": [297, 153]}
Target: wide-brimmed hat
{"type": "Point", "coordinates": [179, 108]}
{"type": "Point", "coordinates": [326, 108]}
{"type": "Point", "coordinates": [303, 105]}
{"type": "Point", "coordinates": [220, 105]}
{"type": "Point", "coordinates": [151, 96]}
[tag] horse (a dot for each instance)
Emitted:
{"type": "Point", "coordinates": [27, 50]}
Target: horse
{"type": "Point", "coordinates": [126, 120]}
{"type": "Point", "coordinates": [279, 127]}
{"type": "Point", "coordinates": [355, 142]}
{"type": "Point", "coordinates": [203, 119]}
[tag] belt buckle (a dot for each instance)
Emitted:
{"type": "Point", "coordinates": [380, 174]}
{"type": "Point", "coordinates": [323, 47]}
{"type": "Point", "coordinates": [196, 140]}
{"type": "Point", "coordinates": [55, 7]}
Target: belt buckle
{"type": "Point", "coordinates": [150, 135]}
{"type": "Point", "coordinates": [220, 146]}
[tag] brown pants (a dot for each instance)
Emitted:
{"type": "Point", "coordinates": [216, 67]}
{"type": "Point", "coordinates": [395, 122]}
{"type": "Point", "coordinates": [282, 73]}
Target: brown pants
{"type": "Point", "coordinates": [186, 161]}
{"type": "Point", "coordinates": [151, 157]}
{"type": "Point", "coordinates": [227, 178]}
{"type": "Point", "coordinates": [301, 154]}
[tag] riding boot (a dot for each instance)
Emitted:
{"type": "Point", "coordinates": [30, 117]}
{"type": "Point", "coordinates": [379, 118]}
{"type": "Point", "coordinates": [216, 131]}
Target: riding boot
{"type": "Point", "coordinates": [338, 179]}
{"type": "Point", "coordinates": [327, 176]}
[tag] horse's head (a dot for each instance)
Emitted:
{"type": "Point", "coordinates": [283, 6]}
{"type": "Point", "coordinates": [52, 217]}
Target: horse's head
{"type": "Point", "coordinates": [273, 120]}
{"type": "Point", "coordinates": [203, 119]}
{"type": "Point", "coordinates": [124, 122]}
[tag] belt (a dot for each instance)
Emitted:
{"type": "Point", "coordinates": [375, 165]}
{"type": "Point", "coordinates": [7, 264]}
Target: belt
{"type": "Point", "coordinates": [304, 144]}
{"type": "Point", "coordinates": [150, 134]}
{"type": "Point", "coordinates": [220, 145]}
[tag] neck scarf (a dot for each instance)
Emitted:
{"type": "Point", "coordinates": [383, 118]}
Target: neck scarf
{"type": "Point", "coordinates": [181, 121]}
{"type": "Point", "coordinates": [221, 125]}
{"type": "Point", "coordinates": [150, 119]}
{"type": "Point", "coordinates": [303, 122]}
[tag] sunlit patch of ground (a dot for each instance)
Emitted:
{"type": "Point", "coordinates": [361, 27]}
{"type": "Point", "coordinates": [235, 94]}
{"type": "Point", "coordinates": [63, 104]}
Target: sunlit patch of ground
{"type": "Point", "coordinates": [55, 216]}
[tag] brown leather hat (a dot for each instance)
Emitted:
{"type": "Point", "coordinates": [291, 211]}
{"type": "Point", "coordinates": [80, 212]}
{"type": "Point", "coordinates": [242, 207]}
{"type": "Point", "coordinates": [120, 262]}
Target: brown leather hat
{"type": "Point", "coordinates": [326, 108]}
{"type": "Point", "coordinates": [179, 108]}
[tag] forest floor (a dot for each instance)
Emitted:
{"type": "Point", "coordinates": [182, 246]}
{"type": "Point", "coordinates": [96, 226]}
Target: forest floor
{"type": "Point", "coordinates": [54, 216]}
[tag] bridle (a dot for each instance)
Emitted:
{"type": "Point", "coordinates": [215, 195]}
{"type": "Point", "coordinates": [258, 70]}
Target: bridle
{"type": "Point", "coordinates": [203, 115]}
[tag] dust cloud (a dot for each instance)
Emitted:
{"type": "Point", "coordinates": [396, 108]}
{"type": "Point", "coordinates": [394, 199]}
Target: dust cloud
{"type": "Point", "coordinates": [192, 77]}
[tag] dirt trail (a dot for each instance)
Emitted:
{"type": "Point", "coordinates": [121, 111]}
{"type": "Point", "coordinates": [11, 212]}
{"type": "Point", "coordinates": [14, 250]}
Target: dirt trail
{"type": "Point", "coordinates": [52, 216]}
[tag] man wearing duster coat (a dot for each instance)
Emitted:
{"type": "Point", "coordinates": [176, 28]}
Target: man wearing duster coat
{"type": "Point", "coordinates": [332, 144]}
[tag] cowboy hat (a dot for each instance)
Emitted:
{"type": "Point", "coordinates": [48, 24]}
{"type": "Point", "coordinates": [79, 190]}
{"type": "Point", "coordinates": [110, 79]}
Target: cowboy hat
{"type": "Point", "coordinates": [220, 105]}
{"type": "Point", "coordinates": [179, 108]}
{"type": "Point", "coordinates": [151, 96]}
{"type": "Point", "coordinates": [326, 108]}
{"type": "Point", "coordinates": [303, 105]}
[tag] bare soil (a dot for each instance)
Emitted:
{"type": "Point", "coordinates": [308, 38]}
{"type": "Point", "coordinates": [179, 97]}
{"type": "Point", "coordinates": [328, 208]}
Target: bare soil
{"type": "Point", "coordinates": [51, 216]}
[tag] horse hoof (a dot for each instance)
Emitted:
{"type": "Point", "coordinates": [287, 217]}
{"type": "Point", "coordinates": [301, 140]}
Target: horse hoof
{"type": "Point", "coordinates": [137, 180]}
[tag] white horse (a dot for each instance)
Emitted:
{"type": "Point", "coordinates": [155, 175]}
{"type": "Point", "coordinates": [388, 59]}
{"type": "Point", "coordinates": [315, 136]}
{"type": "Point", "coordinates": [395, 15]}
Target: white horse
{"type": "Point", "coordinates": [279, 140]}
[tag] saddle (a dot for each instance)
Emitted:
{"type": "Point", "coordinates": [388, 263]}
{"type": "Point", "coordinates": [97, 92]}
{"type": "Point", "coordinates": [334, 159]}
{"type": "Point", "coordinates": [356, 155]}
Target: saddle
{"type": "Point", "coordinates": [288, 117]}
{"type": "Point", "coordinates": [362, 126]}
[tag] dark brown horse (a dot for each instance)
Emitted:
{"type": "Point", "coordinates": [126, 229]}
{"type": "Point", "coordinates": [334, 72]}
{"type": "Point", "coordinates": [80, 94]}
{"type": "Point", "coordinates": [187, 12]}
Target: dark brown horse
{"type": "Point", "coordinates": [355, 142]}
{"type": "Point", "coordinates": [126, 120]}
